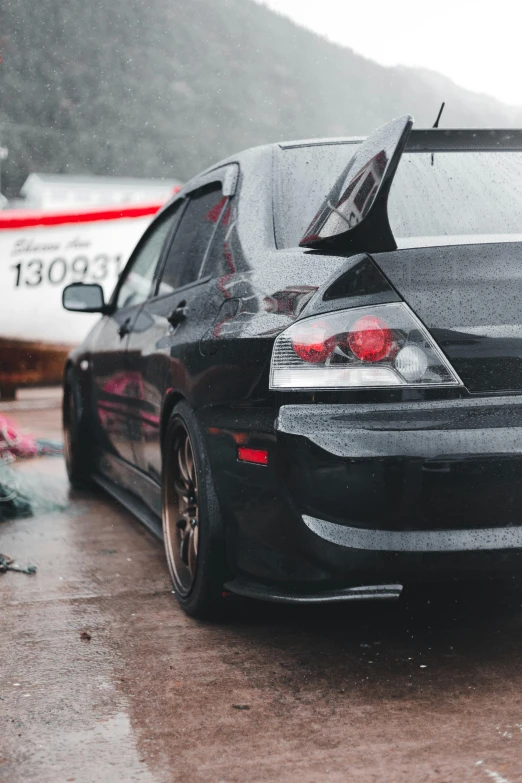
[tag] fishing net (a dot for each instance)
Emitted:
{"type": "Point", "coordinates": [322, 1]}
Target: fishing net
{"type": "Point", "coordinates": [17, 498]}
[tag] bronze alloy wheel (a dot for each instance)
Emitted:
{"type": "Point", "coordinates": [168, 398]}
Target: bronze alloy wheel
{"type": "Point", "coordinates": [181, 510]}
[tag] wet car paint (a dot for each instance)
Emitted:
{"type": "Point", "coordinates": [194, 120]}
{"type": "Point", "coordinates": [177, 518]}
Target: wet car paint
{"type": "Point", "coordinates": [217, 358]}
{"type": "Point", "coordinates": [467, 296]}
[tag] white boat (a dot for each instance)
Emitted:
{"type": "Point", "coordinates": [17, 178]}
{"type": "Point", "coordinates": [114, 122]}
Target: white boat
{"type": "Point", "coordinates": [40, 253]}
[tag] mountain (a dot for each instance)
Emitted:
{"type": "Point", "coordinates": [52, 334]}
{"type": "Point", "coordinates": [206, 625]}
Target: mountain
{"type": "Point", "coordinates": [165, 87]}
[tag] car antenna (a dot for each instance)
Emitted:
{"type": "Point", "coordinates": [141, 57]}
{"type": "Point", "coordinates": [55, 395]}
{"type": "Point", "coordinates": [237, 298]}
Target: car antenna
{"type": "Point", "coordinates": [436, 125]}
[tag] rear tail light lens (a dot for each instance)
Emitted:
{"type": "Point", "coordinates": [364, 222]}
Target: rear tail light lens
{"type": "Point", "coordinates": [312, 343]}
{"type": "Point", "coordinates": [370, 339]}
{"type": "Point", "coordinates": [368, 347]}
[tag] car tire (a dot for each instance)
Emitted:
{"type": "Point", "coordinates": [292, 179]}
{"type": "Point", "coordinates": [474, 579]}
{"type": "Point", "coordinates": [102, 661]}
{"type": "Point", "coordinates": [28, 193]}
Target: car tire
{"type": "Point", "coordinates": [77, 435]}
{"type": "Point", "coordinates": [193, 528]}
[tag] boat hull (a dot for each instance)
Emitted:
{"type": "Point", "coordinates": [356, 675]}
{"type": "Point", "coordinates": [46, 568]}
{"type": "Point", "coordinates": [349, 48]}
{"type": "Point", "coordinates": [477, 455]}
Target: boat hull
{"type": "Point", "coordinates": [39, 256]}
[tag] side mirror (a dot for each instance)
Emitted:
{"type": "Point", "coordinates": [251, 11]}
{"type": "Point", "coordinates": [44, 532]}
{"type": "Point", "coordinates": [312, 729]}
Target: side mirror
{"type": "Point", "coordinates": [84, 298]}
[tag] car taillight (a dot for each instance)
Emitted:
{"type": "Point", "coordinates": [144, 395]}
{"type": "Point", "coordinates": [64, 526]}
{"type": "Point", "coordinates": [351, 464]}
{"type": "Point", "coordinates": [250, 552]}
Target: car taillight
{"type": "Point", "coordinates": [370, 339]}
{"type": "Point", "coordinates": [384, 345]}
{"type": "Point", "coordinates": [312, 342]}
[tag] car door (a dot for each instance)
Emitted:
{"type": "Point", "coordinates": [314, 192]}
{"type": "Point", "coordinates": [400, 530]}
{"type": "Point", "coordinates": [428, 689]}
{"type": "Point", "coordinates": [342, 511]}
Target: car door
{"type": "Point", "coordinates": [115, 387]}
{"type": "Point", "coordinates": [164, 344]}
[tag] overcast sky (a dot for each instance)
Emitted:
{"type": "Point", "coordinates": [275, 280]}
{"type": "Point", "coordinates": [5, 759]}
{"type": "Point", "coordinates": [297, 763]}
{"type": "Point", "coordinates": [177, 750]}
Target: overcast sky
{"type": "Point", "coordinates": [476, 43]}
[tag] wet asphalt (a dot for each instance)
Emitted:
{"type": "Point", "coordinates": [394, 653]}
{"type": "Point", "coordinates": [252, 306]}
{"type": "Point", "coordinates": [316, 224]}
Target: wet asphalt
{"type": "Point", "coordinates": [104, 679]}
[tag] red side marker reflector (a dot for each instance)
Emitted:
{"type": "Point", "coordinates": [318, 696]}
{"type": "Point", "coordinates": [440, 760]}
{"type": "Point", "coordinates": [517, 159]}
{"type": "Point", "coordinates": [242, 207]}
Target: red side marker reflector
{"type": "Point", "coordinates": [257, 456]}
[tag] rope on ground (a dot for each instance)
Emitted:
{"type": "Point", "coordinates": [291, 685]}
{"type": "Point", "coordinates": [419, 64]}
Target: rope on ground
{"type": "Point", "coordinates": [8, 564]}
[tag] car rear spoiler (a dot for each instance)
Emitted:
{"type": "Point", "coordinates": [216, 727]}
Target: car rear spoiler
{"type": "Point", "coordinates": [354, 215]}
{"type": "Point", "coordinates": [466, 140]}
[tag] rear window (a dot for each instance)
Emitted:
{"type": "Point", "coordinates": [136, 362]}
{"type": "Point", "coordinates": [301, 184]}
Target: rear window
{"type": "Point", "coordinates": [457, 194]}
{"type": "Point", "coordinates": [444, 194]}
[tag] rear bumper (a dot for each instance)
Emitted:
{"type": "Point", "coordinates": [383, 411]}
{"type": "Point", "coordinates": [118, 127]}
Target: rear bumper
{"type": "Point", "coordinates": [377, 494]}
{"type": "Point", "coordinates": [445, 465]}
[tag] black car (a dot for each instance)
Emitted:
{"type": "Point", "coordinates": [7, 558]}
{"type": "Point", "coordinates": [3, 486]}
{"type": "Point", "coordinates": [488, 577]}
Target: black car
{"type": "Point", "coordinates": [320, 408]}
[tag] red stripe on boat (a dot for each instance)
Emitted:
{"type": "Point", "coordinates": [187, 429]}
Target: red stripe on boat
{"type": "Point", "coordinates": [25, 218]}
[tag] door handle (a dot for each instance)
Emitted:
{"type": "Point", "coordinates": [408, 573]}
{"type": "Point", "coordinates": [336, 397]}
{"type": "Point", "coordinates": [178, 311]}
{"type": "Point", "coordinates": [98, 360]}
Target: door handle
{"type": "Point", "coordinates": [178, 314]}
{"type": "Point", "coordinates": [124, 328]}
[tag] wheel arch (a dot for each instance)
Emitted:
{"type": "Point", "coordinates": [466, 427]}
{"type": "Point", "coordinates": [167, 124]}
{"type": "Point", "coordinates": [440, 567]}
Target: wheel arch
{"type": "Point", "coordinates": [69, 365]}
{"type": "Point", "coordinates": [171, 400]}
{"type": "Point", "coordinates": [83, 381]}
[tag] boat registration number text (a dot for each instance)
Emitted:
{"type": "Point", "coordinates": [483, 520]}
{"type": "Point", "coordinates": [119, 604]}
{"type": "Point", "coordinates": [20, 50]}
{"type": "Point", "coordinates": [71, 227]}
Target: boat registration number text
{"type": "Point", "coordinates": [59, 271]}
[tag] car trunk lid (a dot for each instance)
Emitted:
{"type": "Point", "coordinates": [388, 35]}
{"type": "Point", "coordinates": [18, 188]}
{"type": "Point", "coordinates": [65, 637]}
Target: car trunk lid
{"type": "Point", "coordinates": [470, 299]}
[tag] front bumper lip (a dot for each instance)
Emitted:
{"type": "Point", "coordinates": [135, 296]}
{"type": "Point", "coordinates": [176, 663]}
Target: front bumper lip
{"type": "Point", "coordinates": [483, 539]}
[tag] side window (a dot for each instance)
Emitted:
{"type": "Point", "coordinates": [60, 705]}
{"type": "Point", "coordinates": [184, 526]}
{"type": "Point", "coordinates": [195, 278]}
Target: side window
{"type": "Point", "coordinates": [220, 261]}
{"type": "Point", "coordinates": [138, 276]}
{"type": "Point", "coordinates": [192, 237]}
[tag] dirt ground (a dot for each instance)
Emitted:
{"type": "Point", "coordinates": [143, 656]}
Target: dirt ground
{"type": "Point", "coordinates": [428, 689]}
